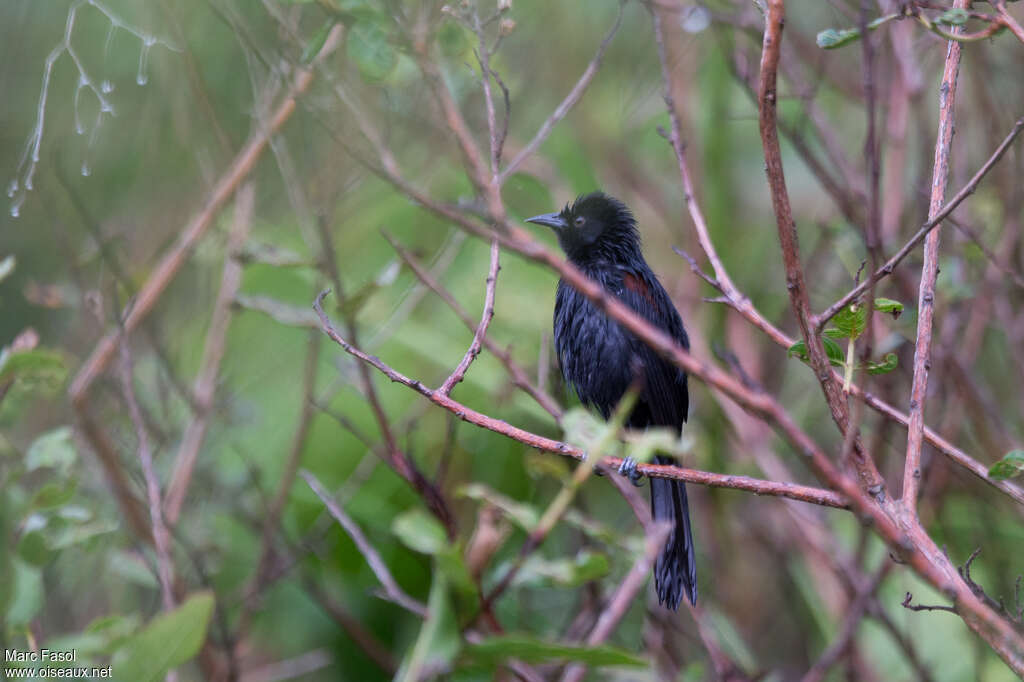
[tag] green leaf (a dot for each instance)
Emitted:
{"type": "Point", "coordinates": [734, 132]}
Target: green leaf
{"type": "Point", "coordinates": [563, 572]}
{"type": "Point", "coordinates": [953, 17]}
{"type": "Point", "coordinates": [32, 548]}
{"type": "Point", "coordinates": [38, 363]}
{"type": "Point", "coordinates": [282, 312]}
{"type": "Point", "coordinates": [169, 640]}
{"type": "Point", "coordinates": [26, 593]}
{"type": "Point", "coordinates": [367, 45]}
{"type": "Point", "coordinates": [316, 42]}
{"type": "Point", "coordinates": [525, 516]}
{"type": "Point", "coordinates": [835, 354]}
{"type": "Point", "coordinates": [888, 364]}
{"type": "Point", "coordinates": [54, 494]}
{"type": "Point", "coordinates": [585, 428]}
{"type": "Point", "coordinates": [420, 531]}
{"type": "Point", "coordinates": [438, 641]}
{"type": "Point", "coordinates": [530, 649]}
{"type": "Point", "coordinates": [851, 320]}
{"type": "Point", "coordinates": [54, 449]}
{"type": "Point", "coordinates": [643, 445]}
{"type": "Point", "coordinates": [887, 305]}
{"type": "Point", "coordinates": [452, 39]}
{"type": "Point", "coordinates": [7, 266]}
{"type": "Point", "coordinates": [831, 38]}
{"type": "Point", "coordinates": [1012, 464]}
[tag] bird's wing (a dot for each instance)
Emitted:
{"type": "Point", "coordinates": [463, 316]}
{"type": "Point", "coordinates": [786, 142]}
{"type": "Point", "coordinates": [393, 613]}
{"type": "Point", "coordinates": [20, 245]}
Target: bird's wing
{"type": "Point", "coordinates": [665, 399]}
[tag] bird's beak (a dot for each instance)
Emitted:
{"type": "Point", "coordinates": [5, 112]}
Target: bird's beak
{"type": "Point", "coordinates": [553, 220]}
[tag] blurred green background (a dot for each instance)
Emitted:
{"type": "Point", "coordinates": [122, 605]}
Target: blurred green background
{"type": "Point", "coordinates": [189, 82]}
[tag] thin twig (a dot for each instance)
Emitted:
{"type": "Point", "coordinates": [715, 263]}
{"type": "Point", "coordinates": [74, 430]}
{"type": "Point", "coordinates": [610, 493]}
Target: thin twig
{"type": "Point", "coordinates": [930, 272]}
{"type": "Point", "coordinates": [161, 538]}
{"type": "Point", "coordinates": [855, 613]}
{"type": "Point", "coordinates": [213, 352]}
{"type": "Point", "coordinates": [519, 376]}
{"type": "Point", "coordinates": [391, 588]}
{"type": "Point", "coordinates": [623, 597]}
{"type": "Point", "coordinates": [565, 106]}
{"type": "Point", "coordinates": [481, 330]}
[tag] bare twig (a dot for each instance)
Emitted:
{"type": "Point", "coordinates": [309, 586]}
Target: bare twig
{"type": "Point", "coordinates": [565, 106]}
{"type": "Point", "coordinates": [399, 461]}
{"type": "Point", "coordinates": [161, 538]}
{"type": "Point", "coordinates": [929, 273]}
{"type": "Point", "coordinates": [922, 607]}
{"type": "Point", "coordinates": [855, 613]}
{"type": "Point", "coordinates": [1008, 20]}
{"type": "Point", "coordinates": [213, 352]}
{"type": "Point", "coordinates": [391, 588]}
{"type": "Point", "coordinates": [519, 376]}
{"type": "Point", "coordinates": [481, 330]}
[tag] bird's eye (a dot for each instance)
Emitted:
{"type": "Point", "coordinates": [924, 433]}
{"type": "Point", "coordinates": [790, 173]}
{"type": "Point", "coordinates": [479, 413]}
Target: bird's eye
{"type": "Point", "coordinates": [579, 220]}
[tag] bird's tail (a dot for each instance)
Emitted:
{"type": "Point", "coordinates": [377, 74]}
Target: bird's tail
{"type": "Point", "coordinates": [675, 572]}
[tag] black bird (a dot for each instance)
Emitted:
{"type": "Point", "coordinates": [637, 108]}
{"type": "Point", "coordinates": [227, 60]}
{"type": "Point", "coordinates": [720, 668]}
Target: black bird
{"type": "Point", "coordinates": [599, 358]}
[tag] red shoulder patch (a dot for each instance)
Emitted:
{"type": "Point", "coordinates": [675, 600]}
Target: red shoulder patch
{"type": "Point", "coordinates": [638, 286]}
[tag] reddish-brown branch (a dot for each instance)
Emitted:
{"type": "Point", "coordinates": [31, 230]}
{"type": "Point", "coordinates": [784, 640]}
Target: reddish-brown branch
{"type": "Point", "coordinates": [930, 272]}
{"type": "Point", "coordinates": [793, 491]}
{"type": "Point", "coordinates": [481, 330]}
{"type": "Point", "coordinates": [870, 480]}
{"type": "Point", "coordinates": [1008, 20]}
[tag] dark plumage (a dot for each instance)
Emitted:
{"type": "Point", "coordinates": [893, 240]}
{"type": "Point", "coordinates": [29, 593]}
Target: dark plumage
{"type": "Point", "coordinates": [599, 358]}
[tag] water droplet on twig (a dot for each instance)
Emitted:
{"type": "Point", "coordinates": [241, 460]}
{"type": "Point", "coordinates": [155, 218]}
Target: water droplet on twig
{"type": "Point", "coordinates": [106, 87]}
{"type": "Point", "coordinates": [142, 77]}
{"type": "Point", "coordinates": [12, 188]}
{"type": "Point", "coordinates": [86, 171]}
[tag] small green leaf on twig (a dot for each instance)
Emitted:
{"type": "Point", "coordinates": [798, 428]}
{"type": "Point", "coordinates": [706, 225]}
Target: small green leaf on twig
{"type": "Point", "coordinates": [835, 354]}
{"type": "Point", "coordinates": [7, 266]}
{"type": "Point", "coordinates": [369, 47]}
{"type": "Point", "coordinates": [887, 305]}
{"type": "Point", "coordinates": [532, 649]}
{"type": "Point", "coordinates": [1012, 464]}
{"type": "Point", "coordinates": [888, 364]}
{"type": "Point", "coordinates": [316, 42]}
{"type": "Point", "coordinates": [851, 320]}
{"type": "Point", "coordinates": [953, 17]}
{"type": "Point", "coordinates": [830, 38]}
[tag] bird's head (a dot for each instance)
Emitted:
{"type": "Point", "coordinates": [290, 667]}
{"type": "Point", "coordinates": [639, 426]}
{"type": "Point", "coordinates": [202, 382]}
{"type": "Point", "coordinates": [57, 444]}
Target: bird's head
{"type": "Point", "coordinates": [594, 227]}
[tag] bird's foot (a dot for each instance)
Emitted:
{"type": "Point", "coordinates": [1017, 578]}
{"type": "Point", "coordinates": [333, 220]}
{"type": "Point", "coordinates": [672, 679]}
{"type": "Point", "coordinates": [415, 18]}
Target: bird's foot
{"type": "Point", "coordinates": [628, 469]}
